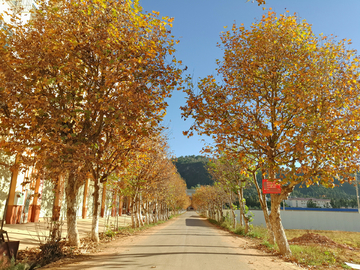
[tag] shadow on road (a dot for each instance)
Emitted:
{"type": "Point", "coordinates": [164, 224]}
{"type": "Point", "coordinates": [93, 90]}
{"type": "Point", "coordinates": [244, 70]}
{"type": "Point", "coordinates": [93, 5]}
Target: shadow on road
{"type": "Point", "coordinates": [176, 246]}
{"type": "Point", "coordinates": [191, 234]}
{"type": "Point", "coordinates": [118, 261]}
{"type": "Point", "coordinates": [195, 222]}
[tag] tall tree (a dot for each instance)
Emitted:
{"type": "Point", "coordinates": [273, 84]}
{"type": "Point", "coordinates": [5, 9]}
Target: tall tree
{"type": "Point", "coordinates": [79, 79]}
{"type": "Point", "coordinates": [288, 100]}
{"type": "Point", "coordinates": [231, 175]}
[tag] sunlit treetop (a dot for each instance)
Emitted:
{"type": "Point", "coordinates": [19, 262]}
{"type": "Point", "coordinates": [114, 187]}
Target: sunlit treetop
{"type": "Point", "coordinates": [288, 99]}
{"type": "Point", "coordinates": [80, 71]}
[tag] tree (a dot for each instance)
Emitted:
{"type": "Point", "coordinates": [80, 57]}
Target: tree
{"type": "Point", "coordinates": [311, 204]}
{"type": "Point", "coordinates": [209, 200]}
{"type": "Point", "coordinates": [230, 175]}
{"type": "Point", "coordinates": [78, 81]}
{"type": "Point", "coordinates": [152, 183]}
{"type": "Point", "coordinates": [288, 101]}
{"type": "Point", "coordinates": [260, 2]}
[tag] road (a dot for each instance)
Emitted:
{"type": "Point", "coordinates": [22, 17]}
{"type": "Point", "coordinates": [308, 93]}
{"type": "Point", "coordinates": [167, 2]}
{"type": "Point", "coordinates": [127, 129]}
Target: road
{"type": "Point", "coordinates": [189, 242]}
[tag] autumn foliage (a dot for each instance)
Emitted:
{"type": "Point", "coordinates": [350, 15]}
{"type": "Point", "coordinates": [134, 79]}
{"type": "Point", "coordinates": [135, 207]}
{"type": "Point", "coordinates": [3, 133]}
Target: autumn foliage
{"type": "Point", "coordinates": [288, 102]}
{"type": "Point", "coordinates": [151, 182]}
{"type": "Point", "coordinates": [80, 84]}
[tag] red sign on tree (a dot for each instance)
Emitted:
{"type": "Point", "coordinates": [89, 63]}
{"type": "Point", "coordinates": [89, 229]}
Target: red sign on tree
{"type": "Point", "coordinates": [270, 187]}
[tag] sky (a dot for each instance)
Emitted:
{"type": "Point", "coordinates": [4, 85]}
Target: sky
{"type": "Point", "coordinates": [198, 24]}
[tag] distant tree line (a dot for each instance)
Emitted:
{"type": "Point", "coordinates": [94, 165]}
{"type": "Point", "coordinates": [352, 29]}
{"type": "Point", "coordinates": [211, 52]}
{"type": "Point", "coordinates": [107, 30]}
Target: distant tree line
{"type": "Point", "coordinates": [343, 202]}
{"type": "Point", "coordinates": [193, 170]}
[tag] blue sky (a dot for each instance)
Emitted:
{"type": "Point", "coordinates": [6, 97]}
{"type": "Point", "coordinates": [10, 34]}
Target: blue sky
{"type": "Point", "coordinates": [198, 24]}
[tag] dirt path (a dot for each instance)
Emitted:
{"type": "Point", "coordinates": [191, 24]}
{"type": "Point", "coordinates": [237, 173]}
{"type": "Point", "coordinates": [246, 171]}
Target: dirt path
{"type": "Point", "coordinates": [188, 242]}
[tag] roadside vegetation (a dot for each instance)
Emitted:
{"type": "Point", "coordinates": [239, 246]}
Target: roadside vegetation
{"type": "Point", "coordinates": [284, 104]}
{"type": "Point", "coordinates": [193, 169]}
{"type": "Point", "coordinates": [313, 249]}
{"type": "Point", "coordinates": [95, 97]}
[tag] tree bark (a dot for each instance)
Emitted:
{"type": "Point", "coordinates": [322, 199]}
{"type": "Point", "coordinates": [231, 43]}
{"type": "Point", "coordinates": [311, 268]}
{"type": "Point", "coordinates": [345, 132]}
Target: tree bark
{"type": "Point", "coordinates": [147, 213]}
{"type": "Point", "coordinates": [72, 188]}
{"type": "Point", "coordinates": [58, 192]}
{"type": "Point", "coordinates": [141, 221]}
{"type": "Point", "coordinates": [135, 213]}
{"type": "Point", "coordinates": [262, 200]}
{"type": "Point", "coordinates": [96, 211]}
{"type": "Point", "coordinates": [132, 213]}
{"type": "Point", "coordinates": [219, 212]}
{"type": "Point", "coordinates": [277, 227]}
{"type": "Point", "coordinates": [233, 216]}
{"type": "Point", "coordinates": [242, 209]}
{"type": "Point", "coordinates": [241, 206]}
{"type": "Point", "coordinates": [156, 215]}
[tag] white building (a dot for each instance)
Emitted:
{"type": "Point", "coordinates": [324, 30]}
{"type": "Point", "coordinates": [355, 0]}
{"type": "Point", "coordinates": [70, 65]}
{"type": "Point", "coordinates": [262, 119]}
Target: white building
{"type": "Point", "coordinates": [302, 202]}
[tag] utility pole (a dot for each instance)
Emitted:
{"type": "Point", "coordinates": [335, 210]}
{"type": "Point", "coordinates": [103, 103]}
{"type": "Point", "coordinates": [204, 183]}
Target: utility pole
{"type": "Point", "coordinates": [357, 192]}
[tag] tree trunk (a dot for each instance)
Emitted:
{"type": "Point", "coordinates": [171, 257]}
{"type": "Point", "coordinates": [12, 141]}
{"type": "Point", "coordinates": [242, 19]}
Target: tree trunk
{"type": "Point", "coordinates": [241, 206]}
{"type": "Point", "coordinates": [135, 212]}
{"type": "Point", "coordinates": [277, 227]}
{"type": "Point", "coordinates": [161, 212]}
{"type": "Point", "coordinates": [156, 217]}
{"type": "Point", "coordinates": [96, 211]}
{"type": "Point", "coordinates": [71, 192]}
{"type": "Point", "coordinates": [132, 214]}
{"type": "Point", "coordinates": [262, 200]}
{"type": "Point", "coordinates": [147, 213]}
{"type": "Point", "coordinates": [242, 209]}
{"type": "Point", "coordinates": [219, 212]}
{"type": "Point", "coordinates": [141, 221]}
{"type": "Point", "coordinates": [233, 215]}
{"type": "Point", "coordinates": [151, 212]}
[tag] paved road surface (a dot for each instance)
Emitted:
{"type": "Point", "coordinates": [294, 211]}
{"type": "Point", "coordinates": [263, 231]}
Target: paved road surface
{"type": "Point", "coordinates": [187, 243]}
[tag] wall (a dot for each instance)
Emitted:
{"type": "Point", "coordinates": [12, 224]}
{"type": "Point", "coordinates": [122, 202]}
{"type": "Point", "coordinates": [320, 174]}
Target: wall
{"type": "Point", "coordinates": [90, 199]}
{"type": "Point", "coordinates": [313, 220]}
{"type": "Point", "coordinates": [47, 198]}
{"type": "Point", "coordinates": [5, 178]}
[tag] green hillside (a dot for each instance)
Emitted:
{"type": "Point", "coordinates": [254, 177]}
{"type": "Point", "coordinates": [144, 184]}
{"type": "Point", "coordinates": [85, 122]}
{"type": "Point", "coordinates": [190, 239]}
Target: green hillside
{"type": "Point", "coordinates": [193, 170]}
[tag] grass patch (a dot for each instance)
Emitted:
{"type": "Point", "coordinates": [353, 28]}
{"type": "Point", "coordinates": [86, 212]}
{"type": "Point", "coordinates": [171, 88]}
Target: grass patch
{"type": "Point", "coordinates": [310, 254]}
{"type": "Point", "coordinates": [265, 243]}
{"type": "Point", "coordinates": [314, 255]}
{"type": "Point", "coordinates": [258, 232]}
{"type": "Point", "coordinates": [351, 239]}
{"type": "Point", "coordinates": [325, 256]}
{"type": "Point", "coordinates": [254, 232]}
{"type": "Point", "coordinates": [6, 265]}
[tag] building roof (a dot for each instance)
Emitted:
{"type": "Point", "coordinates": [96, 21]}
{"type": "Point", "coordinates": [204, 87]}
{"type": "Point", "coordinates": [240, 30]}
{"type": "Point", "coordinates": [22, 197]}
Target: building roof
{"type": "Point", "coordinates": [307, 199]}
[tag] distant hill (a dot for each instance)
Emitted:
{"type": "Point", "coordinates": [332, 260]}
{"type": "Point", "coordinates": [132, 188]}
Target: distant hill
{"type": "Point", "coordinates": [193, 170]}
